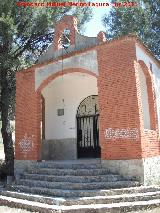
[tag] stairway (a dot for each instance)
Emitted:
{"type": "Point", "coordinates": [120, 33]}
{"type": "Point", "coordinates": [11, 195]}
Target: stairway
{"type": "Point", "coordinates": [80, 187]}
{"type": "Point", "coordinates": [70, 179]}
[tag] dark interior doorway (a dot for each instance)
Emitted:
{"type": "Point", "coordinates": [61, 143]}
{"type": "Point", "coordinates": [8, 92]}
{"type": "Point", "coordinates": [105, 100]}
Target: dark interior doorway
{"type": "Point", "coordinates": [88, 128]}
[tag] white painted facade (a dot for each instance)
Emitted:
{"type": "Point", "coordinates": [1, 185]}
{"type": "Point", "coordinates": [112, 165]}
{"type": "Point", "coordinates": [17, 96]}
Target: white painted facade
{"type": "Point", "coordinates": [144, 98]}
{"type": "Point", "coordinates": [66, 92]}
{"type": "Point", "coordinates": [87, 61]}
{"type": "Point", "coordinates": [141, 55]}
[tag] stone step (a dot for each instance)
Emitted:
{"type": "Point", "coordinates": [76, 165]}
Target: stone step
{"type": "Point", "coordinates": [108, 192]}
{"type": "Point", "coordinates": [87, 161]}
{"type": "Point", "coordinates": [96, 208]}
{"type": "Point", "coordinates": [66, 165]}
{"type": "Point", "coordinates": [74, 179]}
{"type": "Point", "coordinates": [70, 193]}
{"type": "Point", "coordinates": [114, 199]}
{"type": "Point", "coordinates": [75, 172]}
{"type": "Point", "coordinates": [28, 205]}
{"type": "Point", "coordinates": [137, 196]}
{"type": "Point", "coordinates": [33, 197]}
{"type": "Point", "coordinates": [76, 186]}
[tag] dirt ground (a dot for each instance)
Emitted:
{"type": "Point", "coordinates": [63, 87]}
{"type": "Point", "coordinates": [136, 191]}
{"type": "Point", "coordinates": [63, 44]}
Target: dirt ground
{"type": "Point", "coordinates": [157, 210]}
{"type": "Point", "coordinates": [4, 209]}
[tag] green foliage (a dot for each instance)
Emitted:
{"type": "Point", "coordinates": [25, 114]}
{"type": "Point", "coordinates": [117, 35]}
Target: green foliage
{"type": "Point", "coordinates": [143, 20]}
{"type": "Point", "coordinates": [25, 32]}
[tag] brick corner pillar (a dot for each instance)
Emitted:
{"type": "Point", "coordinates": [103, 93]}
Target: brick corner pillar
{"type": "Point", "coordinates": [120, 132]}
{"type": "Point", "coordinates": [119, 111]}
{"type": "Point", "coordinates": [28, 111]}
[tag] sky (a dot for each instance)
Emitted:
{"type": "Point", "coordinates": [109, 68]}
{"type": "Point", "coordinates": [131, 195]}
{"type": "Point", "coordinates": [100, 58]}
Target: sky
{"type": "Point", "coordinates": [94, 26]}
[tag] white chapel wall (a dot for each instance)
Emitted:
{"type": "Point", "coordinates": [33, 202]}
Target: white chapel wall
{"type": "Point", "coordinates": [66, 92]}
{"type": "Point", "coordinates": [87, 61]}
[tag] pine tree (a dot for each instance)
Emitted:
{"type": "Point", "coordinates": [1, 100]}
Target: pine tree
{"type": "Point", "coordinates": [143, 20]}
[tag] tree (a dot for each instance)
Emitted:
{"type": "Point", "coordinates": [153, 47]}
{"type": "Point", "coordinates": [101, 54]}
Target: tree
{"type": "Point", "coordinates": [25, 32]}
{"type": "Point", "coordinates": [143, 20]}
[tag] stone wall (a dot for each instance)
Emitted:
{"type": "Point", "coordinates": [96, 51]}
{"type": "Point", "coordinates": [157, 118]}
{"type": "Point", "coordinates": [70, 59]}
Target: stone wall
{"type": "Point", "coordinates": [20, 166]}
{"type": "Point", "coordinates": [62, 149]}
{"type": "Point", "coordinates": [151, 170]}
{"type": "Point", "coordinates": [147, 170]}
{"type": "Point", "coordinates": [126, 168]}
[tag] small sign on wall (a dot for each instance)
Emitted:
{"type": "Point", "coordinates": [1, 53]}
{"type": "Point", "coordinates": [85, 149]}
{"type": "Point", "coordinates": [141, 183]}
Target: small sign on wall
{"type": "Point", "coordinates": [60, 112]}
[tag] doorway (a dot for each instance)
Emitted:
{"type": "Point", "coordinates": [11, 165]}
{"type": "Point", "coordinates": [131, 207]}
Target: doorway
{"type": "Point", "coordinates": [88, 128]}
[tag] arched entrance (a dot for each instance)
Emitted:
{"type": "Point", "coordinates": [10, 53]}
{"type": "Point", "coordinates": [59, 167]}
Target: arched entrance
{"type": "Point", "coordinates": [88, 128]}
{"type": "Point", "coordinates": [59, 114]}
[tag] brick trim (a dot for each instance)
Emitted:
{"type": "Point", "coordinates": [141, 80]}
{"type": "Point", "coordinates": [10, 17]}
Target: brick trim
{"type": "Point", "coordinates": [149, 138]}
{"type": "Point", "coordinates": [113, 42]}
{"type": "Point", "coordinates": [151, 95]}
{"type": "Point", "coordinates": [61, 73]}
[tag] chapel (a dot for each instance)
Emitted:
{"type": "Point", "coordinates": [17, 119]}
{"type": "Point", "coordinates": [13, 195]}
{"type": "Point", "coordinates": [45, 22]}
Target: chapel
{"type": "Point", "coordinates": [90, 97]}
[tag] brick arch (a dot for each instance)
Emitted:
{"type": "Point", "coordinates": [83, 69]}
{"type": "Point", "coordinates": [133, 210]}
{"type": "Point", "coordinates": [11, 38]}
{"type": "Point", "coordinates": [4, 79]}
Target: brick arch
{"type": "Point", "coordinates": [151, 94]}
{"type": "Point", "coordinates": [60, 73]}
{"type": "Point", "coordinates": [146, 70]}
{"type": "Point", "coordinates": [45, 83]}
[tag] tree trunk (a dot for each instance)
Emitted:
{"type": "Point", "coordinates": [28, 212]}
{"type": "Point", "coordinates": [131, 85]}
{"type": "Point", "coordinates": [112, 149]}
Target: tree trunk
{"type": "Point", "coordinates": [6, 128]}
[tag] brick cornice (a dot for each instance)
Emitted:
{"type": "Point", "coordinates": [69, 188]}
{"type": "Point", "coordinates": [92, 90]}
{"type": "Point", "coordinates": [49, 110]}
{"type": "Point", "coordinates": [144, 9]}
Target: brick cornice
{"type": "Point", "coordinates": [130, 37]}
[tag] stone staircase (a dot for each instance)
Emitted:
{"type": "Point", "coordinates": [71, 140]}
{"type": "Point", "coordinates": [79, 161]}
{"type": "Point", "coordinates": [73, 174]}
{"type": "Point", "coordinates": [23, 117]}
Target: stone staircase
{"type": "Point", "coordinates": [78, 187]}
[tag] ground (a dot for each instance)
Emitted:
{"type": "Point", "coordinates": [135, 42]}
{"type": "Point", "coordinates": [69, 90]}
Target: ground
{"type": "Point", "coordinates": [13, 210]}
{"type": "Point", "coordinates": [157, 210]}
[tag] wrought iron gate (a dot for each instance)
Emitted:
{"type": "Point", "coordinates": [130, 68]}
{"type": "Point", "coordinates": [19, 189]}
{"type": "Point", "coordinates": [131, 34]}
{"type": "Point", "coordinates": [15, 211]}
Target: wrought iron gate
{"type": "Point", "coordinates": [88, 136]}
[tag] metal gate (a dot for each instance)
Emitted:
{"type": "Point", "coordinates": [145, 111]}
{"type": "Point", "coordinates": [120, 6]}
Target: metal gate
{"type": "Point", "coordinates": [88, 136]}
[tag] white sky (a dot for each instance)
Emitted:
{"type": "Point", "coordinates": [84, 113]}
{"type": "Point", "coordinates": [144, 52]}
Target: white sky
{"type": "Point", "coordinates": [94, 26]}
